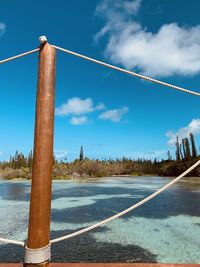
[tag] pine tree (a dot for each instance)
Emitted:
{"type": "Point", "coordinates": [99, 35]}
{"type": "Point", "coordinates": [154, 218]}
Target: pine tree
{"type": "Point", "coordinates": [81, 157]}
{"type": "Point", "coordinates": [181, 153]}
{"type": "Point", "coordinates": [177, 149]}
{"type": "Point", "coordinates": [16, 165]}
{"type": "Point", "coordinates": [169, 155]}
{"type": "Point", "coordinates": [10, 164]}
{"type": "Point", "coordinates": [183, 146]}
{"type": "Point", "coordinates": [187, 149]}
{"type": "Point", "coordinates": [194, 151]}
{"type": "Point", "coordinates": [30, 159]}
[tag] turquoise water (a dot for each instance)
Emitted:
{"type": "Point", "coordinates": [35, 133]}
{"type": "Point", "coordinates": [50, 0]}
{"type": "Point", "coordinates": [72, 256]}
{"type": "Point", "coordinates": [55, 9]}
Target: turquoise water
{"type": "Point", "coordinates": [166, 230]}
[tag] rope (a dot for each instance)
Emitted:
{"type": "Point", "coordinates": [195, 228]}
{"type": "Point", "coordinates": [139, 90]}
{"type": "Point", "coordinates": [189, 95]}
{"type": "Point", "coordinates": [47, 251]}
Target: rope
{"type": "Point", "coordinates": [20, 55]}
{"type": "Point", "coordinates": [140, 203]}
{"type": "Point", "coordinates": [37, 255]}
{"type": "Point", "coordinates": [105, 65]}
{"type": "Point", "coordinates": [127, 71]}
{"type": "Point", "coordinates": [11, 241]}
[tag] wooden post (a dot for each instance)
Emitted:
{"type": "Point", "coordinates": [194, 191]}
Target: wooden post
{"type": "Point", "coordinates": [40, 202]}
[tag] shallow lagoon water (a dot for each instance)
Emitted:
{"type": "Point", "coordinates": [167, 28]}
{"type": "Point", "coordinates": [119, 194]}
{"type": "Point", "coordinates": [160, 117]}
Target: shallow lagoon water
{"type": "Point", "coordinates": [167, 229]}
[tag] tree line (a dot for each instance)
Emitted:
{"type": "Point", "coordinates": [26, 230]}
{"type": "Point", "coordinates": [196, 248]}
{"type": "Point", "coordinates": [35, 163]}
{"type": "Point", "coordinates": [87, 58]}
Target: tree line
{"type": "Point", "coordinates": [186, 154]}
{"type": "Point", "coordinates": [186, 149]}
{"type": "Point", "coordinates": [18, 161]}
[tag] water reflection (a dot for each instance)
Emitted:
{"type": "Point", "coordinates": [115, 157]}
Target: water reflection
{"type": "Point", "coordinates": [169, 223]}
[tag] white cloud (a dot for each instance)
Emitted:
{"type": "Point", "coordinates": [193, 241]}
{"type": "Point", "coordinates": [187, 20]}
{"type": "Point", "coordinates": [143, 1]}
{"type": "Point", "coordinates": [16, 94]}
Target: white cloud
{"type": "Point", "coordinates": [100, 106]}
{"type": "Point", "coordinates": [78, 106]}
{"type": "Point", "coordinates": [77, 109]}
{"type": "Point", "coordinates": [115, 115]}
{"type": "Point", "coordinates": [79, 120]}
{"type": "Point", "coordinates": [131, 7]}
{"type": "Point", "coordinates": [60, 154]}
{"type": "Point", "coordinates": [75, 106]}
{"type": "Point", "coordinates": [192, 127]}
{"type": "Point", "coordinates": [2, 28]}
{"type": "Point", "coordinates": [171, 50]}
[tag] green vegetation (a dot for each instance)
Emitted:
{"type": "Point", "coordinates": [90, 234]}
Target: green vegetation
{"type": "Point", "coordinates": [20, 166]}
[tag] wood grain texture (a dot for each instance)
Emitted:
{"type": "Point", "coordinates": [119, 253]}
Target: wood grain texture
{"type": "Point", "coordinates": [105, 265]}
{"type": "Point", "coordinates": [40, 202]}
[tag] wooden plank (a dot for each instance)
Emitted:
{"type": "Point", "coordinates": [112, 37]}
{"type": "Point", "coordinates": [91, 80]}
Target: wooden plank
{"type": "Point", "coordinates": [105, 265]}
{"type": "Point", "coordinates": [120, 265]}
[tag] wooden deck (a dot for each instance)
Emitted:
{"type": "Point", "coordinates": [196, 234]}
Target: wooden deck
{"type": "Point", "coordinates": [105, 265]}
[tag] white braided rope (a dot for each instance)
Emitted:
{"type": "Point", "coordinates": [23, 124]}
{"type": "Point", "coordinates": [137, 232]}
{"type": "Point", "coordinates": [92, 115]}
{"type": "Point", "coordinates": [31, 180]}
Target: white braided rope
{"type": "Point", "coordinates": [11, 241]}
{"type": "Point", "coordinates": [18, 56]}
{"type": "Point", "coordinates": [37, 255]}
{"type": "Point", "coordinates": [127, 71]}
{"type": "Point", "coordinates": [140, 203]}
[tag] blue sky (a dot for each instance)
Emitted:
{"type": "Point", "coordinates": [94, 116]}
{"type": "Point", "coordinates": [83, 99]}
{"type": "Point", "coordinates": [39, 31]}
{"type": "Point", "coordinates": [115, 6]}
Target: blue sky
{"type": "Point", "coordinates": [111, 114]}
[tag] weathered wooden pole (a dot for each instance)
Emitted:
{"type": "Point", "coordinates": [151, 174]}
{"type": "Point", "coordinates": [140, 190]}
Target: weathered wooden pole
{"type": "Point", "coordinates": [37, 250]}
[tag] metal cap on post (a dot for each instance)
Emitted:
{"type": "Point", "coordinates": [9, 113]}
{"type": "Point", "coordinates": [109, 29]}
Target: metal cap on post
{"type": "Point", "coordinates": [37, 250]}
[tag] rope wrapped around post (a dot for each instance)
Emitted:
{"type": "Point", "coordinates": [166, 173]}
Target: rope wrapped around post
{"type": "Point", "coordinates": [37, 255]}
